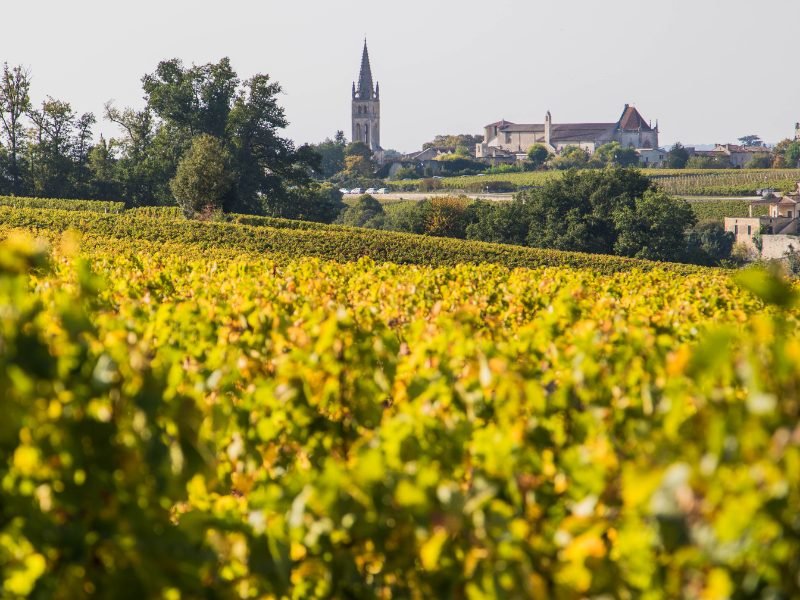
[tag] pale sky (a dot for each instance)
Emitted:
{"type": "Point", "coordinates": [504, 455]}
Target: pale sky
{"type": "Point", "coordinates": [708, 70]}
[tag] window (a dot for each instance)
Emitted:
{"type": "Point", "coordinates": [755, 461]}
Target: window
{"type": "Point", "coordinates": [749, 230]}
{"type": "Point", "coordinates": [508, 138]}
{"type": "Point", "coordinates": [789, 214]}
{"type": "Point", "coordinates": [735, 230]}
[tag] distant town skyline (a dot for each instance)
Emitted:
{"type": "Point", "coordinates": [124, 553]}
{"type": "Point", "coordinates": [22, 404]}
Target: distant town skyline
{"type": "Point", "coordinates": [709, 71]}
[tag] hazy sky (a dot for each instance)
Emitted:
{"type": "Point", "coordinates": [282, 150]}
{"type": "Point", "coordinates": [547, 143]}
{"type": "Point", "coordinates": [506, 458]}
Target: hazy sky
{"type": "Point", "coordinates": [708, 70]}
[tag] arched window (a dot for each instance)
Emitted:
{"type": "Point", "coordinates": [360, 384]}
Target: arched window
{"type": "Point", "coordinates": [358, 131]}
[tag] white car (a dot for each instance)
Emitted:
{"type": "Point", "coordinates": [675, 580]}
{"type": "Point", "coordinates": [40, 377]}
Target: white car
{"type": "Point", "coordinates": [380, 191]}
{"type": "Point", "coordinates": [355, 191]}
{"type": "Point", "coordinates": [370, 191]}
{"type": "Point", "coordinates": [343, 191]}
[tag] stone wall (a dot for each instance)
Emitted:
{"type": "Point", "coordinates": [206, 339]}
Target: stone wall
{"type": "Point", "coordinates": [776, 246]}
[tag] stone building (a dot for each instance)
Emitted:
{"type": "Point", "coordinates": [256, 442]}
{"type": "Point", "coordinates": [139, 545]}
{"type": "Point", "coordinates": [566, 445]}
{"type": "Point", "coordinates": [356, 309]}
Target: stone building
{"type": "Point", "coordinates": [366, 105]}
{"type": "Point", "coordinates": [631, 131]}
{"type": "Point", "coordinates": [776, 232]}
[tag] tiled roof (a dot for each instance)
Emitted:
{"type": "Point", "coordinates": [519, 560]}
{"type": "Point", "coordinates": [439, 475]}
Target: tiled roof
{"type": "Point", "coordinates": [631, 120]}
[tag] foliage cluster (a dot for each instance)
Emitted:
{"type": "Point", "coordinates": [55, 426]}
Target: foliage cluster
{"type": "Point", "coordinates": [50, 151]}
{"type": "Point", "coordinates": [182, 423]}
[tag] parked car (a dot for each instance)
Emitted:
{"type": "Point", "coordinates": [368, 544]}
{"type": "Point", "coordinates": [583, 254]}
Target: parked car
{"type": "Point", "coordinates": [355, 191]}
{"type": "Point", "coordinates": [370, 191]}
{"type": "Point", "coordinates": [344, 191]}
{"type": "Point", "coordinates": [380, 191]}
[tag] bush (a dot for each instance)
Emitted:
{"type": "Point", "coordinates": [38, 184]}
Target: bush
{"type": "Point", "coordinates": [448, 216]}
{"type": "Point", "coordinates": [366, 212]}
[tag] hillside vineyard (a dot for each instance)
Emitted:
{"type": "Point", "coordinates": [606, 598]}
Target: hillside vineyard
{"type": "Point", "coordinates": [193, 416]}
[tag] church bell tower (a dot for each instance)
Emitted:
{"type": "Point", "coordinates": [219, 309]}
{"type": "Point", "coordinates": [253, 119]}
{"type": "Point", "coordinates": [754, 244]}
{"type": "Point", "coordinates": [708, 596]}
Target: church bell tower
{"type": "Point", "coordinates": [367, 107]}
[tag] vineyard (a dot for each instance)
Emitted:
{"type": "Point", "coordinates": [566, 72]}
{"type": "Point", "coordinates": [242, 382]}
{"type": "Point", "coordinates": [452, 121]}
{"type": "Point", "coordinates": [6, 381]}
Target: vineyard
{"type": "Point", "coordinates": [684, 182]}
{"type": "Point", "coordinates": [251, 410]}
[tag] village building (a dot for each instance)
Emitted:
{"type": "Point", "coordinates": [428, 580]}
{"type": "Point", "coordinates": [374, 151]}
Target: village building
{"type": "Point", "coordinates": [774, 234]}
{"type": "Point", "coordinates": [504, 138]}
{"type": "Point", "coordinates": [366, 108]}
{"type": "Point", "coordinates": [737, 156]}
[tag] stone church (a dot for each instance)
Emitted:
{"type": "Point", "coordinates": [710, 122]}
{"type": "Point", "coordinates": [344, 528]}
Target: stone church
{"type": "Point", "coordinates": [506, 138]}
{"type": "Point", "coordinates": [367, 108]}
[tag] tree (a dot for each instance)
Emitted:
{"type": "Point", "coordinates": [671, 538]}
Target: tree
{"type": "Point", "coordinates": [357, 166]}
{"type": "Point", "coordinates": [571, 157]}
{"type": "Point", "coordinates": [751, 141]}
{"type": "Point", "coordinates": [358, 149]}
{"type": "Point", "coordinates": [14, 104]}
{"type": "Point", "coordinates": [576, 212]}
{"type": "Point", "coordinates": [331, 153]}
{"type": "Point", "coordinates": [503, 223]}
{"type": "Point", "coordinates": [453, 142]}
{"type": "Point", "coordinates": [183, 102]}
{"type": "Point", "coordinates": [791, 155]}
{"type": "Point", "coordinates": [366, 212]}
{"type": "Point", "coordinates": [677, 157]}
{"type": "Point", "coordinates": [448, 216]}
{"type": "Point", "coordinates": [615, 155]}
{"type": "Point", "coordinates": [204, 176]}
{"type": "Point", "coordinates": [653, 227]}
{"type": "Point", "coordinates": [51, 148]}
{"type": "Point", "coordinates": [538, 155]}
{"type": "Point", "coordinates": [197, 99]}
{"type": "Point", "coordinates": [708, 243]}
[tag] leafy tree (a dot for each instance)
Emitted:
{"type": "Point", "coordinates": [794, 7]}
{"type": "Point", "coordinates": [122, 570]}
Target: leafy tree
{"type": "Point", "coordinates": [197, 99]}
{"type": "Point", "coordinates": [751, 141]}
{"type": "Point", "coordinates": [504, 223]}
{"type": "Point", "coordinates": [57, 150]}
{"type": "Point", "coordinates": [779, 154]}
{"type": "Point", "coordinates": [615, 155]}
{"type": "Point", "coordinates": [204, 176]}
{"type": "Point", "coordinates": [357, 166]}
{"type": "Point", "coordinates": [319, 203]}
{"type": "Point", "coordinates": [366, 212]}
{"type": "Point", "coordinates": [148, 157]}
{"type": "Point", "coordinates": [571, 157]}
{"type": "Point", "coordinates": [102, 166]}
{"type": "Point", "coordinates": [708, 243]}
{"type": "Point", "coordinates": [408, 216]}
{"type": "Point", "coordinates": [453, 142]}
{"type": "Point", "coordinates": [14, 104]}
{"type": "Point", "coordinates": [448, 216]}
{"type": "Point", "coordinates": [792, 155]}
{"type": "Point", "coordinates": [538, 155]}
{"type": "Point", "coordinates": [677, 157]}
{"type": "Point", "coordinates": [184, 102]}
{"type": "Point", "coordinates": [653, 227]}
{"type": "Point", "coordinates": [576, 212]}
{"type": "Point", "coordinates": [358, 149]}
{"type": "Point", "coordinates": [331, 153]}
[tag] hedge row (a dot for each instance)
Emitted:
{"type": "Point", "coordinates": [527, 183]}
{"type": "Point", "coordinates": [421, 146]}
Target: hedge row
{"type": "Point", "coordinates": [102, 206]}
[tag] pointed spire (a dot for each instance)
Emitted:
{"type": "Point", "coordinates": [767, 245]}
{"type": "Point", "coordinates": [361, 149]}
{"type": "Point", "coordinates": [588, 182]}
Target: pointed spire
{"type": "Point", "coordinates": [365, 87]}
